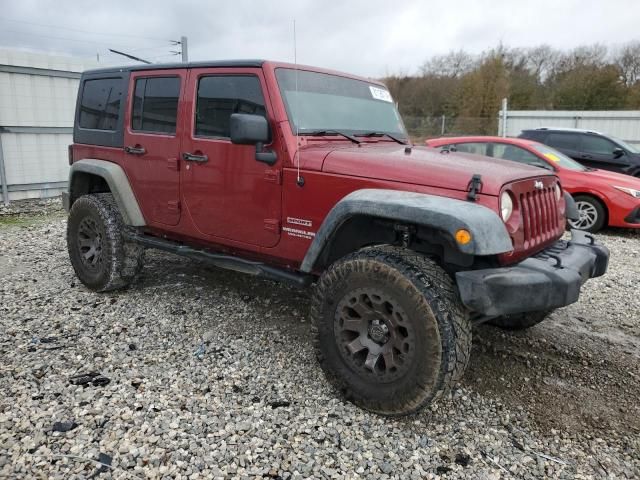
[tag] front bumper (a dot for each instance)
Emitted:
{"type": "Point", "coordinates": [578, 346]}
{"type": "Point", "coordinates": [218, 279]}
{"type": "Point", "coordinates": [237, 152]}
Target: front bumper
{"type": "Point", "coordinates": [550, 279]}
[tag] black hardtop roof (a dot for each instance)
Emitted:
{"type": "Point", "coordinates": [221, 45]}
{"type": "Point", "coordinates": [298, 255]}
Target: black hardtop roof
{"type": "Point", "coordinates": [173, 66]}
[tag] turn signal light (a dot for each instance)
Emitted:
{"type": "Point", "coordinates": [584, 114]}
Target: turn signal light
{"type": "Point", "coordinates": [463, 236]}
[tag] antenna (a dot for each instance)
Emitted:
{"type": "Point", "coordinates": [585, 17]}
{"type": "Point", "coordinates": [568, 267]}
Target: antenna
{"type": "Point", "coordinates": [299, 179]}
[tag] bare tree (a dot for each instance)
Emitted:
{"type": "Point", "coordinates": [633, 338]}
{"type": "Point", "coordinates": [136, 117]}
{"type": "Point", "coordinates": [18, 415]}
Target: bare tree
{"type": "Point", "coordinates": [628, 59]}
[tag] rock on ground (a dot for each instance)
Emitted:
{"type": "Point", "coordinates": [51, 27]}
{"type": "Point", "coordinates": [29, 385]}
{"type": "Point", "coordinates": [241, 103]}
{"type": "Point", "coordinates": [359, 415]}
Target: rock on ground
{"type": "Point", "coordinates": [212, 375]}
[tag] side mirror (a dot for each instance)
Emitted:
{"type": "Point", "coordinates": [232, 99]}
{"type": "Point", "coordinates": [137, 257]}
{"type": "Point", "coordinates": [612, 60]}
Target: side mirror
{"type": "Point", "coordinates": [618, 152]}
{"type": "Point", "coordinates": [246, 129]}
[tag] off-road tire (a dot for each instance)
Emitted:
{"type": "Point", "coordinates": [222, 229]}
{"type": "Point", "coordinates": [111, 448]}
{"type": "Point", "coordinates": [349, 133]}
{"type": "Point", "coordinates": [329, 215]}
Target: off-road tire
{"type": "Point", "coordinates": [117, 262]}
{"type": "Point", "coordinates": [435, 319]}
{"type": "Point", "coordinates": [519, 321]}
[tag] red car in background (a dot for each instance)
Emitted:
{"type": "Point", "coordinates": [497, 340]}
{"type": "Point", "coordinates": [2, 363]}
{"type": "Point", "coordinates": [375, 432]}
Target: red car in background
{"type": "Point", "coordinates": [602, 197]}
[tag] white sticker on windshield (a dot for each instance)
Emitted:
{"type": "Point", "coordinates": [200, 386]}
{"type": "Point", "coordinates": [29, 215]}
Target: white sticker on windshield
{"type": "Point", "coordinates": [380, 94]}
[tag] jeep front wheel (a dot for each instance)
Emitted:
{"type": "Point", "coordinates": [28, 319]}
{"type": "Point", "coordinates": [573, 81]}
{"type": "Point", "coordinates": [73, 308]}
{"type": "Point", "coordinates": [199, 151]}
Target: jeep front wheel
{"type": "Point", "coordinates": [390, 332]}
{"type": "Point", "coordinates": [99, 254]}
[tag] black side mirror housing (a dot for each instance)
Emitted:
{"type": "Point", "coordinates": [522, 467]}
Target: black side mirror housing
{"type": "Point", "coordinates": [247, 129]}
{"type": "Point", "coordinates": [618, 152]}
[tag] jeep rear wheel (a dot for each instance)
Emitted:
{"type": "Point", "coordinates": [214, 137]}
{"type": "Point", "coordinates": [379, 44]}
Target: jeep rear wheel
{"type": "Point", "coordinates": [519, 321]}
{"type": "Point", "coordinates": [99, 254]}
{"type": "Point", "coordinates": [390, 332]}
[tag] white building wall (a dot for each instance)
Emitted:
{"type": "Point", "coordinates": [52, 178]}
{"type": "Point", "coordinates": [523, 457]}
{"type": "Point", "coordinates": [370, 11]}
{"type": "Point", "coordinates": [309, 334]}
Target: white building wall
{"type": "Point", "coordinates": [37, 104]}
{"type": "Point", "coordinates": [622, 124]}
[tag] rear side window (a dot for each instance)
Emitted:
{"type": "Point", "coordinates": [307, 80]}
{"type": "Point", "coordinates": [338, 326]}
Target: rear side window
{"type": "Point", "coordinates": [222, 95]}
{"type": "Point", "coordinates": [533, 135]}
{"type": "Point", "coordinates": [155, 104]}
{"type": "Point", "coordinates": [100, 104]}
{"type": "Point", "coordinates": [516, 154]}
{"type": "Point", "coordinates": [568, 141]}
{"type": "Point", "coordinates": [476, 148]}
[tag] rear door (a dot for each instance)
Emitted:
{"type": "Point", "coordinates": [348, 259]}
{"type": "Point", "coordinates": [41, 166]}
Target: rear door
{"type": "Point", "coordinates": [152, 142]}
{"type": "Point", "coordinates": [566, 142]}
{"type": "Point", "coordinates": [227, 192]}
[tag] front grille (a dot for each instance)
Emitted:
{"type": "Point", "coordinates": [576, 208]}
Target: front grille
{"type": "Point", "coordinates": [540, 219]}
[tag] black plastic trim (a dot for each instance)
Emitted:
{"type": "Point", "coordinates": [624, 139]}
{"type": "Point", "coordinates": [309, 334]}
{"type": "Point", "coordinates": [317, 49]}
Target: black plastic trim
{"type": "Point", "coordinates": [634, 216]}
{"type": "Point", "coordinates": [227, 262]}
{"type": "Point", "coordinates": [172, 66]}
{"type": "Point", "coordinates": [551, 279]}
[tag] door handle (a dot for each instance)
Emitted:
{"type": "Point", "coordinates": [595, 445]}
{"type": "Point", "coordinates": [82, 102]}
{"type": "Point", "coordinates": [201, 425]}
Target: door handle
{"type": "Point", "coordinates": [190, 157]}
{"type": "Point", "coordinates": [586, 156]}
{"type": "Point", "coordinates": [137, 150]}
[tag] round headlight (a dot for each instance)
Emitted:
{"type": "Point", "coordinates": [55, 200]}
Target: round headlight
{"type": "Point", "coordinates": [558, 192]}
{"type": "Point", "coordinates": [506, 206]}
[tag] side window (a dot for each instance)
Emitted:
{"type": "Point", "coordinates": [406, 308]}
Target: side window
{"type": "Point", "coordinates": [155, 104]}
{"type": "Point", "coordinates": [568, 141]}
{"type": "Point", "coordinates": [100, 104]}
{"type": "Point", "coordinates": [222, 95]}
{"type": "Point", "coordinates": [516, 154]}
{"type": "Point", "coordinates": [473, 147]}
{"type": "Point", "coordinates": [597, 145]}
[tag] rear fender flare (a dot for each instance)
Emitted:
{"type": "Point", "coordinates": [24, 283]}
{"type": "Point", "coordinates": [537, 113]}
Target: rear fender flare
{"type": "Point", "coordinates": [118, 183]}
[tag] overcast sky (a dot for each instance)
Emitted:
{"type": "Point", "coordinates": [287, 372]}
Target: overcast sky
{"type": "Point", "coordinates": [365, 37]}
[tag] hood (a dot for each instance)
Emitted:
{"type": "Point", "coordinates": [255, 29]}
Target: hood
{"type": "Point", "coordinates": [614, 179]}
{"type": "Point", "coordinates": [426, 166]}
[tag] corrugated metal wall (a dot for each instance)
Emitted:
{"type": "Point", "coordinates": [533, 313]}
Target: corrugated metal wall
{"type": "Point", "coordinates": [622, 124]}
{"type": "Point", "coordinates": [37, 102]}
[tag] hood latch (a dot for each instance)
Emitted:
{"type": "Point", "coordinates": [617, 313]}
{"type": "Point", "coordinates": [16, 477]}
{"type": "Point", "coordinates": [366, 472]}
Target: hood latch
{"type": "Point", "coordinates": [475, 185]}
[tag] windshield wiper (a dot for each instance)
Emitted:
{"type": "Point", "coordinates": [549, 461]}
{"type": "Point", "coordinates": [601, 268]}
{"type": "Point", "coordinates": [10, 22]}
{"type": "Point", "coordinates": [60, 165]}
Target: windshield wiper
{"type": "Point", "coordinates": [384, 134]}
{"type": "Point", "coordinates": [332, 132]}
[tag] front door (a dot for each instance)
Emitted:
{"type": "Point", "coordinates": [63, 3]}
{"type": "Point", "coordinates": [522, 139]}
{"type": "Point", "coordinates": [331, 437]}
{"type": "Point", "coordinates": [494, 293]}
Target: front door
{"type": "Point", "coordinates": [227, 192]}
{"type": "Point", "coordinates": [597, 152]}
{"type": "Point", "coordinates": [152, 143]}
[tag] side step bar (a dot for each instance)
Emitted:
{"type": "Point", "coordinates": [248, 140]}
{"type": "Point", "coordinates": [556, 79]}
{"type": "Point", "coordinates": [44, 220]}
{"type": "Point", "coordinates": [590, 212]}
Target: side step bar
{"type": "Point", "coordinates": [227, 262]}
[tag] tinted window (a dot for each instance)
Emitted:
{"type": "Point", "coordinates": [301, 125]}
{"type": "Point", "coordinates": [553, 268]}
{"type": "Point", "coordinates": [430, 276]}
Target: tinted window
{"type": "Point", "coordinates": [597, 145]}
{"type": "Point", "coordinates": [475, 148]}
{"type": "Point", "coordinates": [533, 134]}
{"type": "Point", "coordinates": [155, 104]}
{"type": "Point", "coordinates": [516, 154]}
{"type": "Point", "coordinates": [568, 141]}
{"type": "Point", "coordinates": [100, 104]}
{"type": "Point", "coordinates": [221, 96]}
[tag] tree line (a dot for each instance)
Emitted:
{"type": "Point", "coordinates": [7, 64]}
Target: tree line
{"type": "Point", "coordinates": [468, 89]}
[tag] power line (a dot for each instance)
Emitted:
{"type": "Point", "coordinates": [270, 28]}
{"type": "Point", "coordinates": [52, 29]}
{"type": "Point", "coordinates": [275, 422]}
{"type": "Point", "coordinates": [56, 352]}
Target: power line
{"type": "Point", "coordinates": [82, 31]}
{"type": "Point", "coordinates": [78, 40]}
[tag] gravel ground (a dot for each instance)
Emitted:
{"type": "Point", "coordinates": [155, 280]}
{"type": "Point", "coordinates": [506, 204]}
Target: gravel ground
{"type": "Point", "coordinates": [211, 374]}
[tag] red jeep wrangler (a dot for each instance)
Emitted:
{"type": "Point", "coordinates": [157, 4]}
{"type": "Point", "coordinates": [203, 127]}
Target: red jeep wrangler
{"type": "Point", "coordinates": [307, 176]}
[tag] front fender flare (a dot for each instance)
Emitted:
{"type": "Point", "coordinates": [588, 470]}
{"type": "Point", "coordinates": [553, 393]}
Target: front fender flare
{"type": "Point", "coordinates": [489, 234]}
{"type": "Point", "coordinates": [118, 183]}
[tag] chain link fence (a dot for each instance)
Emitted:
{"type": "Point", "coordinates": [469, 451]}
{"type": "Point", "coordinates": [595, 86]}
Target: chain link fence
{"type": "Point", "coordinates": [423, 128]}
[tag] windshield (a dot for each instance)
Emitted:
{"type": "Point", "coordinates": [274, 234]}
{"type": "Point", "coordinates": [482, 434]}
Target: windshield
{"type": "Point", "coordinates": [560, 159]}
{"type": "Point", "coordinates": [326, 103]}
{"type": "Point", "coordinates": [628, 147]}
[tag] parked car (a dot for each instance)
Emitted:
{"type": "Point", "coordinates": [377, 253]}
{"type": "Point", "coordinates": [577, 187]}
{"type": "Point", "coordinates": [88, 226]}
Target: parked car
{"type": "Point", "coordinates": [590, 148]}
{"type": "Point", "coordinates": [307, 176]}
{"type": "Point", "coordinates": [603, 198]}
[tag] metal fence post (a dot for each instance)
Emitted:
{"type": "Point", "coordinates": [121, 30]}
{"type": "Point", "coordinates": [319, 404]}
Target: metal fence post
{"type": "Point", "coordinates": [503, 115]}
{"type": "Point", "coordinates": [443, 124]}
{"type": "Point", "coordinates": [3, 177]}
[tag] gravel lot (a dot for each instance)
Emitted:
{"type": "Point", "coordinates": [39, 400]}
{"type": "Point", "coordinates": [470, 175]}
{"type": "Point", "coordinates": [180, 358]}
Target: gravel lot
{"type": "Point", "coordinates": [212, 375]}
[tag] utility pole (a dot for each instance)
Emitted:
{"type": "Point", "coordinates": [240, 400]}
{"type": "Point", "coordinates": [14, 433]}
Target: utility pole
{"type": "Point", "coordinates": [503, 115]}
{"type": "Point", "coordinates": [184, 49]}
